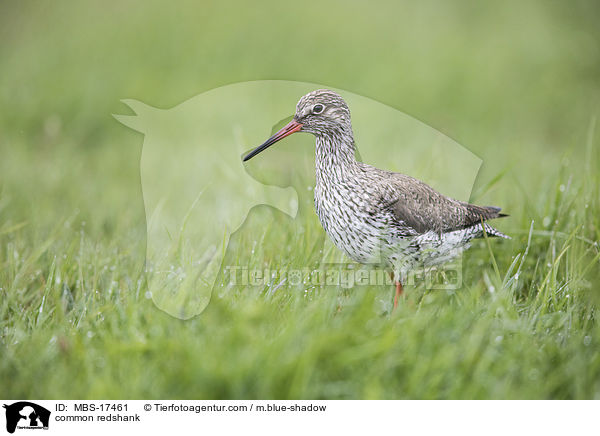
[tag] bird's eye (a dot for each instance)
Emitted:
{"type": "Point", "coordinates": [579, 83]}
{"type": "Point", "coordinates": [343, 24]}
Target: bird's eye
{"type": "Point", "coordinates": [318, 108]}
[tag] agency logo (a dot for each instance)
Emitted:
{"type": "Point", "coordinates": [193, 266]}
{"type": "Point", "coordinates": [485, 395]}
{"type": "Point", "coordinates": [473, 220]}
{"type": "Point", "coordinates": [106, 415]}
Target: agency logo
{"type": "Point", "coordinates": [26, 415]}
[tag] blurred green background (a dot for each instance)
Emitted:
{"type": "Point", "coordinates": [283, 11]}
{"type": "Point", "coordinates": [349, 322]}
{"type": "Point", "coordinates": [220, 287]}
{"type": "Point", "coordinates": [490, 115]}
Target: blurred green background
{"type": "Point", "coordinates": [515, 82]}
{"type": "Point", "coordinates": [497, 79]}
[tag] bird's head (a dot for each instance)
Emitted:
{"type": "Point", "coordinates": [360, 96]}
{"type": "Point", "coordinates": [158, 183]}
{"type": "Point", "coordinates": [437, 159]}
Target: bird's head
{"type": "Point", "coordinates": [321, 112]}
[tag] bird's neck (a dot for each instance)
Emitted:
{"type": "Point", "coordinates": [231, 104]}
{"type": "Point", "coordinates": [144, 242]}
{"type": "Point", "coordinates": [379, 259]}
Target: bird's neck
{"type": "Point", "coordinates": [335, 153]}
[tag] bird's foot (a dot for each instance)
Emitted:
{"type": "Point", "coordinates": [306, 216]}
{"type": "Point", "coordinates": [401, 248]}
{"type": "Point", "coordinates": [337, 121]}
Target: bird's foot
{"type": "Point", "coordinates": [398, 294]}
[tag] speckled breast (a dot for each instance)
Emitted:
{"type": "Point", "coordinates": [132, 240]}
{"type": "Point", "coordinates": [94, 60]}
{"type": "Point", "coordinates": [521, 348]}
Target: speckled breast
{"type": "Point", "coordinates": [350, 222]}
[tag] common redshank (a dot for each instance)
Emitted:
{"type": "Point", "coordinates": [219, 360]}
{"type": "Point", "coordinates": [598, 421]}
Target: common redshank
{"type": "Point", "coordinates": [377, 216]}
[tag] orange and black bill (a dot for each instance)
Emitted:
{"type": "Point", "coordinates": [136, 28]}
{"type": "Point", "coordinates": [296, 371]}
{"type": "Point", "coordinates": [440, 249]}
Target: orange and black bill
{"type": "Point", "coordinates": [292, 127]}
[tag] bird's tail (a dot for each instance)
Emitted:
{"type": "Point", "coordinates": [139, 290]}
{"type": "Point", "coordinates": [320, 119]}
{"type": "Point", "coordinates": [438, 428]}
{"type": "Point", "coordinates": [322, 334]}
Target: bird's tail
{"type": "Point", "coordinates": [493, 233]}
{"type": "Point", "coordinates": [494, 212]}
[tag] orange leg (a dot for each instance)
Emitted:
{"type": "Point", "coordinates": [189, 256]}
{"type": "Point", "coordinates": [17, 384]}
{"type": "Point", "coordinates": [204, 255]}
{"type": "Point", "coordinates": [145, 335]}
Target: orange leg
{"type": "Point", "coordinates": [399, 290]}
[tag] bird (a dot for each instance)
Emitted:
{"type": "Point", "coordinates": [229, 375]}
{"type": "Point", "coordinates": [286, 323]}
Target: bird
{"type": "Point", "coordinates": [373, 215]}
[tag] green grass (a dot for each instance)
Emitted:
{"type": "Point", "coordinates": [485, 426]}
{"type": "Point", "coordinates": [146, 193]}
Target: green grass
{"type": "Point", "coordinates": [518, 85]}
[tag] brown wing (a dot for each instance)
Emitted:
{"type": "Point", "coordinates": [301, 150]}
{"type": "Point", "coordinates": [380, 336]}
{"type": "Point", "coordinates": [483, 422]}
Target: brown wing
{"type": "Point", "coordinates": [419, 207]}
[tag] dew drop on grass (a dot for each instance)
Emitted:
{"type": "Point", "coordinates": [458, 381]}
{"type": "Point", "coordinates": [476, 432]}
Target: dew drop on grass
{"type": "Point", "coordinates": [148, 295]}
{"type": "Point", "coordinates": [546, 221]}
{"type": "Point", "coordinates": [562, 188]}
{"type": "Point", "coordinates": [587, 341]}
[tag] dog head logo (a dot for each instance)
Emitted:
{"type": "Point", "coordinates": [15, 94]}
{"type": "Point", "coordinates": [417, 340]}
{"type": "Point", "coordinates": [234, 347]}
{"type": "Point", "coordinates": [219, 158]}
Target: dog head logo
{"type": "Point", "coordinates": [198, 192]}
{"type": "Point", "coordinates": [26, 415]}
